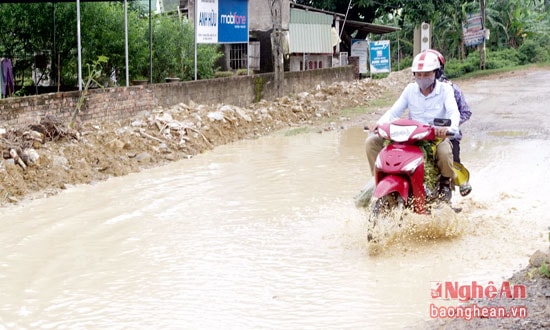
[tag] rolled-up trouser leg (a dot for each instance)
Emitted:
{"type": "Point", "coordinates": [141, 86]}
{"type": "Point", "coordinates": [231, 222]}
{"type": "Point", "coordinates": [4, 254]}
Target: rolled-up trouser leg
{"type": "Point", "coordinates": [373, 145]}
{"type": "Point", "coordinates": [456, 150]}
{"type": "Point", "coordinates": [444, 156]}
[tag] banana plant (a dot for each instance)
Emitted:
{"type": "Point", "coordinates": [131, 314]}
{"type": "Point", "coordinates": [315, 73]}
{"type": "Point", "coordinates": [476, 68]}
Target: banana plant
{"type": "Point", "coordinates": [512, 21]}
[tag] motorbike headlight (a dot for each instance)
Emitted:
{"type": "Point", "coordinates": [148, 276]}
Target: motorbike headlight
{"type": "Point", "coordinates": [411, 167]}
{"type": "Point", "coordinates": [400, 133]}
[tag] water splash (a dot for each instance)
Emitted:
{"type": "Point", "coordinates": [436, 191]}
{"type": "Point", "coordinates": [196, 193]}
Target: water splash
{"type": "Point", "coordinates": [416, 230]}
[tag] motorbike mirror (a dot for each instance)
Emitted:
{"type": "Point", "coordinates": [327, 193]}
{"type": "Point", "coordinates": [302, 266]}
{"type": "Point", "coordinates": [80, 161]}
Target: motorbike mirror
{"type": "Point", "coordinates": [442, 122]}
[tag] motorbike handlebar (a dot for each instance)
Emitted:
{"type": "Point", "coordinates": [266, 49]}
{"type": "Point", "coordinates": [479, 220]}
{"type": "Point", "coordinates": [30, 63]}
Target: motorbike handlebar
{"type": "Point", "coordinates": [367, 129]}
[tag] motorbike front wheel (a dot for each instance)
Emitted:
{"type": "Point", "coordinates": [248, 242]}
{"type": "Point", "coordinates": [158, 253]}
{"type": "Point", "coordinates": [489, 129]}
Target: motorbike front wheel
{"type": "Point", "coordinates": [385, 212]}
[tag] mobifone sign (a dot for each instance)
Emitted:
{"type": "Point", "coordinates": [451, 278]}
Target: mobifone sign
{"type": "Point", "coordinates": [221, 21]}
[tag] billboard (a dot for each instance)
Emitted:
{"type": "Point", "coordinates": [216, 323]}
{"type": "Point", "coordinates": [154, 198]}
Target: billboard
{"type": "Point", "coordinates": [380, 56]}
{"type": "Point", "coordinates": [473, 31]}
{"type": "Point", "coordinates": [360, 48]}
{"type": "Point", "coordinates": [221, 21]}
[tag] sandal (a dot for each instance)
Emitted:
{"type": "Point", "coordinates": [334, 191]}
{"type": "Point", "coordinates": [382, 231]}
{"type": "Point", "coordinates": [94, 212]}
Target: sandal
{"type": "Point", "coordinates": [465, 189]}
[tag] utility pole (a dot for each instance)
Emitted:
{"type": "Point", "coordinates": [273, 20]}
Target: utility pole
{"type": "Point", "coordinates": [482, 50]}
{"type": "Point", "coordinates": [277, 45]}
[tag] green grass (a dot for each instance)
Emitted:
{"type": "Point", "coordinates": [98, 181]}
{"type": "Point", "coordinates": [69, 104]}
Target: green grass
{"type": "Point", "coordinates": [490, 72]}
{"type": "Point", "coordinates": [223, 74]}
{"type": "Point", "coordinates": [543, 270]}
{"type": "Point", "coordinates": [351, 112]}
{"type": "Point", "coordinates": [386, 100]}
{"type": "Point", "coordinates": [374, 105]}
{"type": "Point", "coordinates": [296, 131]}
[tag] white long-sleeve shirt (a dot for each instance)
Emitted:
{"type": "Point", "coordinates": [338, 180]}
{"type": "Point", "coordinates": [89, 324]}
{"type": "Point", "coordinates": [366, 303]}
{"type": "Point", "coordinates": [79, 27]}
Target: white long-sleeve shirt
{"type": "Point", "coordinates": [440, 103]}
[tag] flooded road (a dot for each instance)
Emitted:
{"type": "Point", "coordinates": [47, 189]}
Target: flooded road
{"type": "Point", "coordinates": [265, 234]}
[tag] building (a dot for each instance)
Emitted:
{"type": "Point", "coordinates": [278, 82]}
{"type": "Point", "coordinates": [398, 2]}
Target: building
{"type": "Point", "coordinates": [312, 37]}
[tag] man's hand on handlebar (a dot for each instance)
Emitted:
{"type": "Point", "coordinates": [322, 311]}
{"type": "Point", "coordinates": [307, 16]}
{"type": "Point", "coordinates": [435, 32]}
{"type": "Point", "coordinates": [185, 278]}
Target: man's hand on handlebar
{"type": "Point", "coordinates": [441, 132]}
{"type": "Point", "coordinates": [371, 127]}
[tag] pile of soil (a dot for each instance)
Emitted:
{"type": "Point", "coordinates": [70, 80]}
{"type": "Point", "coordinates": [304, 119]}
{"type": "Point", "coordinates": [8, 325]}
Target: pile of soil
{"type": "Point", "coordinates": [56, 157]}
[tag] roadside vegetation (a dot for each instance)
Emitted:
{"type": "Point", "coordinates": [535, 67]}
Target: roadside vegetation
{"type": "Point", "coordinates": [43, 35]}
{"type": "Point", "coordinates": [519, 30]}
{"type": "Point", "coordinates": [47, 31]}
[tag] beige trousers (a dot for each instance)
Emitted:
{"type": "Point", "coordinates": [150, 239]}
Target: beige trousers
{"type": "Point", "coordinates": [443, 154]}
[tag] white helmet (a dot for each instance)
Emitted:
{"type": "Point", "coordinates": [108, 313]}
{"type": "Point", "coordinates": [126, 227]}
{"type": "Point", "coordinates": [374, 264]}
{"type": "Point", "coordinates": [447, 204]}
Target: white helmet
{"type": "Point", "coordinates": [425, 62]}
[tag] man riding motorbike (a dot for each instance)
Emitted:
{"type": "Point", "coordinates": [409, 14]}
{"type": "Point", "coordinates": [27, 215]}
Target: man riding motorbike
{"type": "Point", "coordinates": [426, 99]}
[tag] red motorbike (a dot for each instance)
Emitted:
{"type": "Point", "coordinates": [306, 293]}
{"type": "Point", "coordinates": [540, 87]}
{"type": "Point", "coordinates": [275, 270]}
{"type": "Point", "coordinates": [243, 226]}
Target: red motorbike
{"type": "Point", "coordinates": [400, 174]}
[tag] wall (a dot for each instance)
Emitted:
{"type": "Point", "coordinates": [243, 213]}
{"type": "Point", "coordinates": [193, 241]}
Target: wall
{"type": "Point", "coordinates": [126, 102]}
{"type": "Point", "coordinates": [323, 61]}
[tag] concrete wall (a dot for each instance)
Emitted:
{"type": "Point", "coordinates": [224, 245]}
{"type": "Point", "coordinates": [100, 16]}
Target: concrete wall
{"type": "Point", "coordinates": [126, 102]}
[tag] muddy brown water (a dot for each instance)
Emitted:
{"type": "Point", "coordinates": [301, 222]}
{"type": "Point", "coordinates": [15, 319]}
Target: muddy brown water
{"type": "Point", "coordinates": [265, 234]}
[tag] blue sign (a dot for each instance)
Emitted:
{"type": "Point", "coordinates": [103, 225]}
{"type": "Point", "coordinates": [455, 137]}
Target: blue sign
{"type": "Point", "coordinates": [233, 21]}
{"type": "Point", "coordinates": [221, 21]}
{"type": "Point", "coordinates": [380, 56]}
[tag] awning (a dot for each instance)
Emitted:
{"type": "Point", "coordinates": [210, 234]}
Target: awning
{"type": "Point", "coordinates": [371, 28]}
{"type": "Point", "coordinates": [361, 26]}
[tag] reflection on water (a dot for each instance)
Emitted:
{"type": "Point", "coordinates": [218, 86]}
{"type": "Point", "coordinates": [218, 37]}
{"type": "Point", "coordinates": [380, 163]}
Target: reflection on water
{"type": "Point", "coordinates": [256, 234]}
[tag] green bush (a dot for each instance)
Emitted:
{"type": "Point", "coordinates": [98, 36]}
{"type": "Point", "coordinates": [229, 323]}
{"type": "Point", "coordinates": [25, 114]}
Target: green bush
{"type": "Point", "coordinates": [532, 51]}
{"type": "Point", "coordinates": [241, 72]}
{"type": "Point", "coordinates": [173, 52]}
{"type": "Point", "coordinates": [456, 68]}
{"type": "Point", "coordinates": [494, 60]}
{"type": "Point", "coordinates": [502, 58]}
{"type": "Point", "coordinates": [381, 75]}
{"type": "Point", "coordinates": [453, 69]}
{"type": "Point", "coordinates": [223, 74]}
{"type": "Point", "coordinates": [535, 51]}
{"type": "Point", "coordinates": [405, 63]}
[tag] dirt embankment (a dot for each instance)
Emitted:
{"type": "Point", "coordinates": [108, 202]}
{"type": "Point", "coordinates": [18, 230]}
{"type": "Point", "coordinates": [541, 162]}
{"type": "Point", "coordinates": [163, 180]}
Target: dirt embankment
{"type": "Point", "coordinates": [94, 151]}
{"type": "Point", "coordinates": [97, 151]}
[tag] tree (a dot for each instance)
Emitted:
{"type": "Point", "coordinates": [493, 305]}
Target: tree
{"type": "Point", "coordinates": [173, 51]}
{"type": "Point", "coordinates": [405, 14]}
{"type": "Point", "coordinates": [26, 31]}
{"type": "Point", "coordinates": [49, 28]}
{"type": "Point", "coordinates": [513, 21]}
{"type": "Point", "coordinates": [102, 26]}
